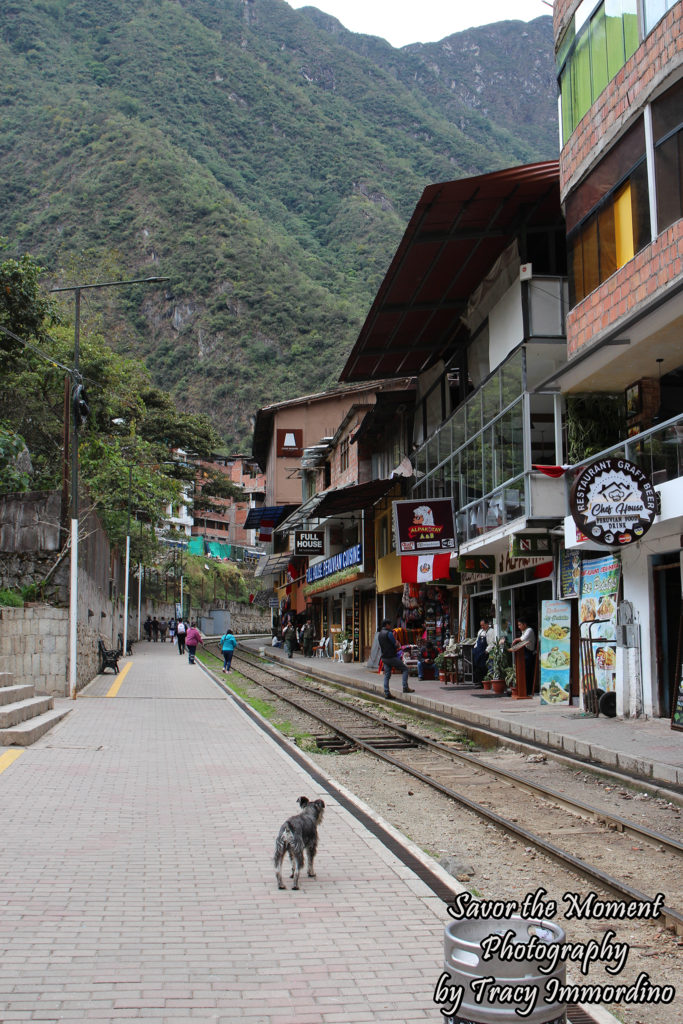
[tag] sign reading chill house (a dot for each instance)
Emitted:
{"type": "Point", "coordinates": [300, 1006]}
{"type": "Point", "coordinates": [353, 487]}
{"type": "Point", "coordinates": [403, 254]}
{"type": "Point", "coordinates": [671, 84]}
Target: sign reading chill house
{"type": "Point", "coordinates": [613, 502]}
{"type": "Point", "coordinates": [309, 542]}
{"type": "Point", "coordinates": [424, 527]}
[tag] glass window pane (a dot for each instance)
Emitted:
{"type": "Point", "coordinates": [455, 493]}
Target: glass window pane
{"type": "Point", "coordinates": [433, 450]}
{"type": "Point", "coordinates": [568, 124]}
{"type": "Point", "coordinates": [654, 10]}
{"type": "Point", "coordinates": [581, 78]}
{"type": "Point", "coordinates": [589, 239]}
{"type": "Point", "coordinates": [607, 242]}
{"type": "Point", "coordinates": [491, 398]}
{"type": "Point", "coordinates": [631, 35]}
{"type": "Point", "coordinates": [473, 412]}
{"type": "Point", "coordinates": [640, 206]}
{"type": "Point", "coordinates": [512, 381]}
{"type": "Point", "coordinates": [669, 171]}
{"type": "Point", "coordinates": [421, 463]}
{"type": "Point", "coordinates": [459, 433]}
{"type": "Point", "coordinates": [575, 270]}
{"type": "Point", "coordinates": [615, 36]}
{"type": "Point", "coordinates": [599, 53]}
{"type": "Point", "coordinates": [667, 112]}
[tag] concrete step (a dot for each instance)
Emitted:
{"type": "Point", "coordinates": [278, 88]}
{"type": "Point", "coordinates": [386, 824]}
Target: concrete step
{"type": "Point", "coordinates": [21, 710]}
{"type": "Point", "coordinates": [25, 733]}
{"type": "Point", "coordinates": [22, 691]}
{"type": "Point", "coordinates": [6, 679]}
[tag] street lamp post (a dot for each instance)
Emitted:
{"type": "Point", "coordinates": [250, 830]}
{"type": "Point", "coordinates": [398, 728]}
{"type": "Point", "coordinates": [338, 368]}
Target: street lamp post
{"type": "Point", "coordinates": [73, 593]}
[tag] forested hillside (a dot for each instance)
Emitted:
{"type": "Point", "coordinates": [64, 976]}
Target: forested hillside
{"type": "Point", "coordinates": [265, 160]}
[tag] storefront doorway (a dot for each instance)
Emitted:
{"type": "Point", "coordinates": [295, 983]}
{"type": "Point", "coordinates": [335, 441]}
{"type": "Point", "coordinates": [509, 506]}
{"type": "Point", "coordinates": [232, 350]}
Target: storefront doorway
{"type": "Point", "coordinates": [667, 603]}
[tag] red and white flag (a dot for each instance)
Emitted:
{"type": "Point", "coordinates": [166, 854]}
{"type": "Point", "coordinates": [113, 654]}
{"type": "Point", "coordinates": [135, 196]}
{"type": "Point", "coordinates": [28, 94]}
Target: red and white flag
{"type": "Point", "coordinates": [424, 568]}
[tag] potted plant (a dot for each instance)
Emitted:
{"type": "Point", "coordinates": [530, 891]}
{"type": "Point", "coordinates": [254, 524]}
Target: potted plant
{"type": "Point", "coordinates": [496, 668]}
{"type": "Point", "coordinates": [439, 665]}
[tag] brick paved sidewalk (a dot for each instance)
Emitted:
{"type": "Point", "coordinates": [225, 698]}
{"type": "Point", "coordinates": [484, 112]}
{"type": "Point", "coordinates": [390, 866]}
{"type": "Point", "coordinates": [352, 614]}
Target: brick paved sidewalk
{"type": "Point", "coordinates": [137, 879]}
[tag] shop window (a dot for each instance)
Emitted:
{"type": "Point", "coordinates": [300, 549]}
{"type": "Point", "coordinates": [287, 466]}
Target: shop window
{"type": "Point", "coordinates": [594, 48]}
{"type": "Point", "coordinates": [608, 216]}
{"type": "Point", "coordinates": [667, 130]}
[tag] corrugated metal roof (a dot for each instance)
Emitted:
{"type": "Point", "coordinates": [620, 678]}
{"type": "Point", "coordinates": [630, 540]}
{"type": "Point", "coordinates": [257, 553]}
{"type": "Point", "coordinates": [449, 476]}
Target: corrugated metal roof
{"type": "Point", "coordinates": [457, 232]}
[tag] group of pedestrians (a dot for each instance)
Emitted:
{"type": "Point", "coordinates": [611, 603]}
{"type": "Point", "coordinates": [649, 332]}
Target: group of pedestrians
{"type": "Point", "coordinates": [187, 637]}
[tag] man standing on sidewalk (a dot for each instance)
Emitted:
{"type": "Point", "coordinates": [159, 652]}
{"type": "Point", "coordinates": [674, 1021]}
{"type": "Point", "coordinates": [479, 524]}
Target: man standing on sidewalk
{"type": "Point", "coordinates": [388, 646]}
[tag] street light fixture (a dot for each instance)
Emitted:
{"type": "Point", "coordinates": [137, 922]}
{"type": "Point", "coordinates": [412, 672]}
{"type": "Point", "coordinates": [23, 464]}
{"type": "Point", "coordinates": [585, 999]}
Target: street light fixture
{"type": "Point", "coordinates": [76, 423]}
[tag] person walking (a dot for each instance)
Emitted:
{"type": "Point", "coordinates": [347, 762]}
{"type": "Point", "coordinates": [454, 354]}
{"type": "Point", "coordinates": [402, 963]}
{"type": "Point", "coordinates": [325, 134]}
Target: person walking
{"type": "Point", "coordinates": [171, 630]}
{"type": "Point", "coordinates": [155, 629]}
{"type": "Point", "coordinates": [289, 639]}
{"type": "Point", "coordinates": [163, 629]}
{"type": "Point", "coordinates": [147, 626]}
{"type": "Point", "coordinates": [388, 646]}
{"type": "Point", "coordinates": [192, 638]}
{"type": "Point", "coordinates": [181, 630]}
{"type": "Point", "coordinates": [228, 645]}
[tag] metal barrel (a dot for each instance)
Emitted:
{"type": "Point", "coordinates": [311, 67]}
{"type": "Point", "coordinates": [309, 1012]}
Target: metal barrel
{"type": "Point", "coordinates": [511, 958]}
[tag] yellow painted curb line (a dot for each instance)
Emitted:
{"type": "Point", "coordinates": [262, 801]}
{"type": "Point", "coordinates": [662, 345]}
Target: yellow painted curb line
{"type": "Point", "coordinates": [9, 757]}
{"type": "Point", "coordinates": [119, 679]}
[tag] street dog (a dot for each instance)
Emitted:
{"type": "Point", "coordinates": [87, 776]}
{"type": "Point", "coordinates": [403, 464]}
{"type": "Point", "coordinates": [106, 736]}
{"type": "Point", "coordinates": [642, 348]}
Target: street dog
{"type": "Point", "coordinates": [299, 834]}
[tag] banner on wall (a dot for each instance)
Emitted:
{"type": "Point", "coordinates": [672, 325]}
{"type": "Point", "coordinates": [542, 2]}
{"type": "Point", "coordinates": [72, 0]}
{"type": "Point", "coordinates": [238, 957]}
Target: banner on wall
{"type": "Point", "coordinates": [598, 614]}
{"type": "Point", "coordinates": [570, 573]}
{"type": "Point", "coordinates": [424, 568]}
{"type": "Point", "coordinates": [555, 651]}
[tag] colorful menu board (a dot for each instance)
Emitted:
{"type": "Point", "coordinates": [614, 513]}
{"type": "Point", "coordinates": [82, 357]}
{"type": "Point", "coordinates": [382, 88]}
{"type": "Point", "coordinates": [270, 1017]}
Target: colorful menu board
{"type": "Point", "coordinates": [555, 651]}
{"type": "Point", "coordinates": [598, 604]}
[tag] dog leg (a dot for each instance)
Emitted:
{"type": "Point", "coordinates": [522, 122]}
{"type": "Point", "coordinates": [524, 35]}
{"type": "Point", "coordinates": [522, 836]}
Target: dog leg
{"type": "Point", "coordinates": [299, 863]}
{"type": "Point", "coordinates": [310, 854]}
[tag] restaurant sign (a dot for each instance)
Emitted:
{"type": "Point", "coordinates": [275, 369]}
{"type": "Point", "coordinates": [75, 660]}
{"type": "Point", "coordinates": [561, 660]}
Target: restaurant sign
{"type": "Point", "coordinates": [309, 542]}
{"type": "Point", "coordinates": [344, 560]}
{"type": "Point", "coordinates": [424, 527]}
{"type": "Point", "coordinates": [613, 502]}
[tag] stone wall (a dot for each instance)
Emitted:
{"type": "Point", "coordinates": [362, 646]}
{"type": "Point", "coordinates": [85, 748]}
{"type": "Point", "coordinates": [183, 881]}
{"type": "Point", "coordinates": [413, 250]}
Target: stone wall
{"type": "Point", "coordinates": [34, 646]}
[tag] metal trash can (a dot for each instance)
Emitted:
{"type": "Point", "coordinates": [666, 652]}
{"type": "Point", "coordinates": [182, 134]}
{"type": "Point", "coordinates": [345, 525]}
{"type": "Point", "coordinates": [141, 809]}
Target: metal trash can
{"type": "Point", "coordinates": [464, 962]}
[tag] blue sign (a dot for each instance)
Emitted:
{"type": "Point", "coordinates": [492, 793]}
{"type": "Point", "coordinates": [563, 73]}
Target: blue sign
{"type": "Point", "coordinates": [344, 560]}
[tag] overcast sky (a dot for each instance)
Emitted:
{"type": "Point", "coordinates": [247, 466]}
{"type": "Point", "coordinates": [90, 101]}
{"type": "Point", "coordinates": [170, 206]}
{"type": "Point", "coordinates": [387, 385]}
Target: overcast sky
{"type": "Point", "coordinates": [423, 21]}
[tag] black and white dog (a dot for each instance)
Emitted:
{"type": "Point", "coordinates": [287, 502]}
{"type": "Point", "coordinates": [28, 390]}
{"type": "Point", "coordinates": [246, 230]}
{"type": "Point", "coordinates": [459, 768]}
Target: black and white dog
{"type": "Point", "coordinates": [299, 834]}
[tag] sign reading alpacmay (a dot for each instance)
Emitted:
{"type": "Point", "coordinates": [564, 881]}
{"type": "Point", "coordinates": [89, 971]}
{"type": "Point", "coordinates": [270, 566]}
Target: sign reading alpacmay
{"type": "Point", "coordinates": [425, 526]}
{"type": "Point", "coordinates": [613, 502]}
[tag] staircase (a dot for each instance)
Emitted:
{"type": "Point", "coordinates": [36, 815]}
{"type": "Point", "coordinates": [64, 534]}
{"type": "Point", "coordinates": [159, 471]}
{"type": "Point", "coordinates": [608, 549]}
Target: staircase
{"type": "Point", "coordinates": [23, 716]}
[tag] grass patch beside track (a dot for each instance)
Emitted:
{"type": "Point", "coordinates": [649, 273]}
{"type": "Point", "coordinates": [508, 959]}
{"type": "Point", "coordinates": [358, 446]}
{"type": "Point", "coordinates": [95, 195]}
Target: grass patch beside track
{"type": "Point", "coordinates": [304, 740]}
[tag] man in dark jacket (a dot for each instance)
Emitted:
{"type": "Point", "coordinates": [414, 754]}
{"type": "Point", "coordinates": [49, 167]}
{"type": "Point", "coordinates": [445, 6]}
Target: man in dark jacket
{"type": "Point", "coordinates": [388, 646]}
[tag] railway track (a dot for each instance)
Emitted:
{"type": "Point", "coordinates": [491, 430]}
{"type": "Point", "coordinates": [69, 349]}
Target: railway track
{"type": "Point", "coordinates": [571, 832]}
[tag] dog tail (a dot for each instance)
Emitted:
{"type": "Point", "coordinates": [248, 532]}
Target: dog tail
{"type": "Point", "coordinates": [284, 841]}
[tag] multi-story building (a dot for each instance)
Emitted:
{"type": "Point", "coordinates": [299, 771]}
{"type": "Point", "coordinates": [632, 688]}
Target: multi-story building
{"type": "Point", "coordinates": [224, 522]}
{"type": "Point", "coordinates": [620, 75]}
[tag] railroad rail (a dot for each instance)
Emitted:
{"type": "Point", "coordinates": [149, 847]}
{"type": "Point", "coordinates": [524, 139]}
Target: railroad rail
{"type": "Point", "coordinates": [432, 762]}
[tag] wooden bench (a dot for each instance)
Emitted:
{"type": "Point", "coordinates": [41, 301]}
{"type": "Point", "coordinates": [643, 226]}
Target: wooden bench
{"type": "Point", "coordinates": [108, 659]}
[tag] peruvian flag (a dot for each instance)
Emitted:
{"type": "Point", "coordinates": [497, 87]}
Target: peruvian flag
{"type": "Point", "coordinates": [266, 527]}
{"type": "Point", "coordinates": [424, 568]}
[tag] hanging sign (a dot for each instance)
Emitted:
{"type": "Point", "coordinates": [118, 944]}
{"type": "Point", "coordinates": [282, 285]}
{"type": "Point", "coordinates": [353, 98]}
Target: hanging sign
{"type": "Point", "coordinates": [613, 502]}
{"type": "Point", "coordinates": [309, 542]}
{"type": "Point", "coordinates": [424, 527]}
{"type": "Point", "coordinates": [344, 560]}
{"type": "Point", "coordinates": [570, 573]}
{"type": "Point", "coordinates": [485, 564]}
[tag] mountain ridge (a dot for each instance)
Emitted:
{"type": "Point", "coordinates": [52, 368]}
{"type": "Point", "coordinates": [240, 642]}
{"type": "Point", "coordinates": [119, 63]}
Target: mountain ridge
{"type": "Point", "coordinates": [265, 159]}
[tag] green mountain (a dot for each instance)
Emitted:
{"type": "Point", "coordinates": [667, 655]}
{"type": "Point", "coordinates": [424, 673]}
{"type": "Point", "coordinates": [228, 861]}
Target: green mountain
{"type": "Point", "coordinates": [265, 160]}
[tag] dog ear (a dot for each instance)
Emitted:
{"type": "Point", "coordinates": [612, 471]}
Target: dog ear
{"type": "Point", "coordinates": [303, 801]}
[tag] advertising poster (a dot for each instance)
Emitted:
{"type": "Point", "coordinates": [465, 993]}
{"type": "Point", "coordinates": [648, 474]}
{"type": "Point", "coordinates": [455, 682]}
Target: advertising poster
{"type": "Point", "coordinates": [598, 614]}
{"type": "Point", "coordinates": [424, 526]}
{"type": "Point", "coordinates": [554, 651]}
{"type": "Point", "coordinates": [570, 573]}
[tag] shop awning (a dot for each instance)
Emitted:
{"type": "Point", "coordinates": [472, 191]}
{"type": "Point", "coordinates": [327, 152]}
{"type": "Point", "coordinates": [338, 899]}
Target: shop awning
{"type": "Point", "coordinates": [336, 502]}
{"type": "Point", "coordinates": [273, 565]}
{"type": "Point", "coordinates": [270, 514]}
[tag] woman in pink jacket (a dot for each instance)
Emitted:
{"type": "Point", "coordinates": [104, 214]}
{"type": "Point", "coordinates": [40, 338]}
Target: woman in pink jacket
{"type": "Point", "coordinates": [192, 638]}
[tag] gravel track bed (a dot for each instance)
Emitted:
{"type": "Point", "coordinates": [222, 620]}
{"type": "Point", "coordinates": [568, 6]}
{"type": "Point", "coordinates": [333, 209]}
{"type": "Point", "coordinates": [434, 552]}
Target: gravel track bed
{"type": "Point", "coordinates": [492, 864]}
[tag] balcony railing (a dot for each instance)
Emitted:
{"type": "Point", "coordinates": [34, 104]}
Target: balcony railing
{"type": "Point", "coordinates": [657, 451]}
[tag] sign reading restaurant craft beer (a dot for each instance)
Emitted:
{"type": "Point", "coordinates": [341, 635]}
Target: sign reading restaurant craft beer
{"type": "Point", "coordinates": [309, 542]}
{"type": "Point", "coordinates": [424, 527]}
{"type": "Point", "coordinates": [613, 502]}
